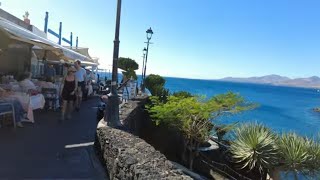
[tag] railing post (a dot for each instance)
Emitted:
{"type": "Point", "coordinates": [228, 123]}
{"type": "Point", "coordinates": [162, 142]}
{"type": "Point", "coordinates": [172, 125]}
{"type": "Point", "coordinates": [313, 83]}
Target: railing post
{"type": "Point", "coordinates": [46, 19]}
{"type": "Point", "coordinates": [60, 33]}
{"type": "Point", "coordinates": [71, 39]}
{"type": "Point", "coordinates": [77, 42]}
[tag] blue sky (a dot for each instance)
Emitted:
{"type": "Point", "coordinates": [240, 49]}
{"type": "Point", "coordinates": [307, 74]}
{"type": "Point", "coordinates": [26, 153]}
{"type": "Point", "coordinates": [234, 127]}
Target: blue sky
{"type": "Point", "coordinates": [206, 39]}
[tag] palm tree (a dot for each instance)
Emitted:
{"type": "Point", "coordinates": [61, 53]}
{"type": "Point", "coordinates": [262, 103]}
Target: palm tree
{"type": "Point", "coordinates": [254, 147]}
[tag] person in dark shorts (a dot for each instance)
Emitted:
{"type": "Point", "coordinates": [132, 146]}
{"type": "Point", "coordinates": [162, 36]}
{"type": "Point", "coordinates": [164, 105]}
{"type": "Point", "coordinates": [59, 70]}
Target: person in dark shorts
{"type": "Point", "coordinates": [68, 93]}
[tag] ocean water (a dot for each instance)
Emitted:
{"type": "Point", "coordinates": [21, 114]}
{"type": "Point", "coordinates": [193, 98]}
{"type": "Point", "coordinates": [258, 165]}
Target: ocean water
{"type": "Point", "coordinates": [280, 108]}
{"type": "Point", "coordinates": [283, 109]}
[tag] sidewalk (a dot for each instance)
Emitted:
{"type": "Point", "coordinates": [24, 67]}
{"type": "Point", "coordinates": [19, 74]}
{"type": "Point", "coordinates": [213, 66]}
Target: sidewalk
{"type": "Point", "coordinates": [48, 149]}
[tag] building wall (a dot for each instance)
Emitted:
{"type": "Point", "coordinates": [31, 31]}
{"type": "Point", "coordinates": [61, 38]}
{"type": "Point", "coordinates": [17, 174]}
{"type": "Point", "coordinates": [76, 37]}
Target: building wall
{"type": "Point", "coordinates": [15, 60]}
{"type": "Point", "coordinates": [14, 19]}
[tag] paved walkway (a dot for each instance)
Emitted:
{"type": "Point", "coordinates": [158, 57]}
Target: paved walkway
{"type": "Point", "coordinates": [48, 149]}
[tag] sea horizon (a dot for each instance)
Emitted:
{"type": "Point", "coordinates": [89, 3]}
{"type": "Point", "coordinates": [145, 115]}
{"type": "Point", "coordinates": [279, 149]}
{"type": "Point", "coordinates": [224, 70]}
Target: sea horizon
{"type": "Point", "coordinates": [222, 80]}
{"type": "Point", "coordinates": [281, 108]}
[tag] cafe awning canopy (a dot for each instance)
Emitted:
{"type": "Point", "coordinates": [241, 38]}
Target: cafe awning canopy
{"type": "Point", "coordinates": [85, 51]}
{"type": "Point", "coordinates": [11, 33]}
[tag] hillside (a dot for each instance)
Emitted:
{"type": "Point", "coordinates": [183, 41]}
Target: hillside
{"type": "Point", "coordinates": [310, 82]}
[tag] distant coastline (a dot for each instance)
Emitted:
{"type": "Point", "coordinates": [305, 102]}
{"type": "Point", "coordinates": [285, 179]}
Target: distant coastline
{"type": "Point", "coordinates": [266, 84]}
{"type": "Point", "coordinates": [272, 80]}
{"type": "Point", "coordinates": [276, 80]}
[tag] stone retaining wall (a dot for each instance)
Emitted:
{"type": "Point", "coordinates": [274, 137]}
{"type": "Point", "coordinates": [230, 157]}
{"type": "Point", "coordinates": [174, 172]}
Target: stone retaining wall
{"type": "Point", "coordinates": [126, 156]}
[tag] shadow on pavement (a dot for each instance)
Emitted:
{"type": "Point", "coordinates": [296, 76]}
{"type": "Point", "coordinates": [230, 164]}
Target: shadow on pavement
{"type": "Point", "coordinates": [49, 149]}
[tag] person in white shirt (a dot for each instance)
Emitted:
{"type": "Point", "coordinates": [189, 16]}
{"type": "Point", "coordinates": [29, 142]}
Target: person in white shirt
{"type": "Point", "coordinates": [81, 78]}
{"type": "Point", "coordinates": [89, 89]}
{"type": "Point", "coordinates": [26, 84]}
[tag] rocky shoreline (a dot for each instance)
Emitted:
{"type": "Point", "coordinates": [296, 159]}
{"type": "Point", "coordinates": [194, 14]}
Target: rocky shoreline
{"type": "Point", "coordinates": [316, 109]}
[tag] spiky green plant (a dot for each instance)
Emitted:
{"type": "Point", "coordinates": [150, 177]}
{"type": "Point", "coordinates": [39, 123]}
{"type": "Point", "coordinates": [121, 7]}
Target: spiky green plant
{"type": "Point", "coordinates": [299, 155]}
{"type": "Point", "coordinates": [293, 151]}
{"type": "Point", "coordinates": [257, 147]}
{"type": "Point", "coordinates": [314, 161]}
{"type": "Point", "coordinates": [254, 147]}
{"type": "Point", "coordinates": [313, 164]}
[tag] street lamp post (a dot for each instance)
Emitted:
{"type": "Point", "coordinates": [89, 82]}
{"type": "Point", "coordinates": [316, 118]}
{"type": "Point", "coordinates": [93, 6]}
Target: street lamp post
{"type": "Point", "coordinates": [144, 56]}
{"type": "Point", "coordinates": [149, 36]}
{"type": "Point", "coordinates": [112, 108]}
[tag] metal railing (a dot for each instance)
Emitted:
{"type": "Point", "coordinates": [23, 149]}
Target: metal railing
{"type": "Point", "coordinates": [223, 169]}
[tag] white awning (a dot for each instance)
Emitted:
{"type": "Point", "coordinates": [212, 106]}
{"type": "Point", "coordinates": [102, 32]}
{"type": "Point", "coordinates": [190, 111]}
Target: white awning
{"type": "Point", "coordinates": [85, 52]}
{"type": "Point", "coordinates": [10, 33]}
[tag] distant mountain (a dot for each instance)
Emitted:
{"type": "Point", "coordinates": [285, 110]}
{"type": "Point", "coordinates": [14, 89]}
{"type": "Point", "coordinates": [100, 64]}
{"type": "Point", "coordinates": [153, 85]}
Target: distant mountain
{"type": "Point", "coordinates": [310, 82]}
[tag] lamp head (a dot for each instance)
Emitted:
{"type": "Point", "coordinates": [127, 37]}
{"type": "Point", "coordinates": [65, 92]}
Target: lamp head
{"type": "Point", "coordinates": [149, 33]}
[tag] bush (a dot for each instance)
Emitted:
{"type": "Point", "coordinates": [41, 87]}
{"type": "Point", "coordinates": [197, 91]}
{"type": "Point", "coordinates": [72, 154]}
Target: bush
{"type": "Point", "coordinates": [184, 94]}
{"type": "Point", "coordinates": [155, 84]}
{"type": "Point", "coordinates": [194, 117]}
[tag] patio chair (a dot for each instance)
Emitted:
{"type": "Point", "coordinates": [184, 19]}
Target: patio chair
{"type": "Point", "coordinates": [51, 97]}
{"type": "Point", "coordinates": [8, 108]}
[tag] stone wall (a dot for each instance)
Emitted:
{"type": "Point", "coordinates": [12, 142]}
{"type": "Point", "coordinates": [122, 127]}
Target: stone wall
{"type": "Point", "coordinates": [126, 156]}
{"type": "Point", "coordinates": [167, 141]}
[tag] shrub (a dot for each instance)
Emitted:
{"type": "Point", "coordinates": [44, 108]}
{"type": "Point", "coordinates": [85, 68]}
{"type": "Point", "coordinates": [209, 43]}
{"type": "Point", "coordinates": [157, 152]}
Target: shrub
{"type": "Point", "coordinates": [194, 116]}
{"type": "Point", "coordinates": [184, 94]}
{"type": "Point", "coordinates": [155, 84]}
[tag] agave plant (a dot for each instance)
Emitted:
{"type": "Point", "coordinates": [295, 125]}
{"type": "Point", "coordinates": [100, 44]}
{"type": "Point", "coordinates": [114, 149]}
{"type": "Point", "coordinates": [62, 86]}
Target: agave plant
{"type": "Point", "coordinates": [299, 155]}
{"type": "Point", "coordinates": [313, 164]}
{"type": "Point", "coordinates": [254, 147]}
{"type": "Point", "coordinates": [294, 154]}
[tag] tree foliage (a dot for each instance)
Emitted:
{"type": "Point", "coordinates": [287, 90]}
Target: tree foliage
{"type": "Point", "coordinates": [129, 74]}
{"type": "Point", "coordinates": [154, 80]}
{"type": "Point", "coordinates": [185, 94]}
{"type": "Point", "coordinates": [129, 66]}
{"type": "Point", "coordinates": [155, 84]}
{"type": "Point", "coordinates": [194, 116]}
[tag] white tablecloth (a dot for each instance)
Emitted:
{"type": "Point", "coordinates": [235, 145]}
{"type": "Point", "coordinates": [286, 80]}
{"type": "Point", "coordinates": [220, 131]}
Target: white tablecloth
{"type": "Point", "coordinates": [37, 101]}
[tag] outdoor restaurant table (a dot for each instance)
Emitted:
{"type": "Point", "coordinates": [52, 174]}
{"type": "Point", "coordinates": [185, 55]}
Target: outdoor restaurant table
{"type": "Point", "coordinates": [29, 103]}
{"type": "Point", "coordinates": [57, 85]}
